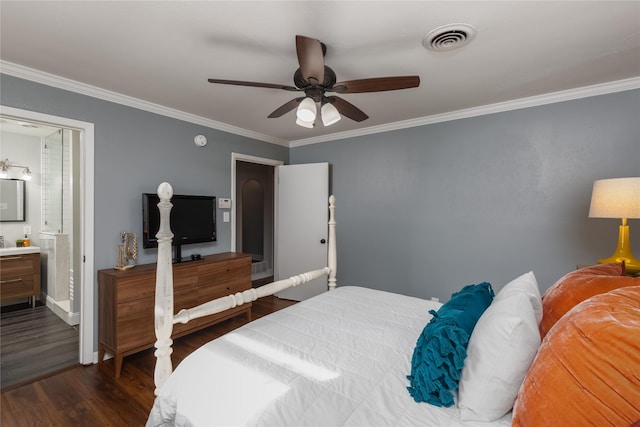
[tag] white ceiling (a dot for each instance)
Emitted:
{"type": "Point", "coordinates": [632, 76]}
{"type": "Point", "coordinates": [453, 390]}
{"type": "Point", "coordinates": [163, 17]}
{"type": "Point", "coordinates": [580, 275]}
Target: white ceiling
{"type": "Point", "coordinates": [25, 127]}
{"type": "Point", "coordinates": [163, 52]}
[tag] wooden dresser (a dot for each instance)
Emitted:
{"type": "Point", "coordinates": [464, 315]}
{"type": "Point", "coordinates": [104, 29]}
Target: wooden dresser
{"type": "Point", "coordinates": [20, 276]}
{"type": "Point", "coordinates": [126, 300]}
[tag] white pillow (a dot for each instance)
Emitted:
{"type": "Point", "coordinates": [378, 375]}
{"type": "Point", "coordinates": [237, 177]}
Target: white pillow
{"type": "Point", "coordinates": [501, 348]}
{"type": "Point", "coordinates": [528, 285]}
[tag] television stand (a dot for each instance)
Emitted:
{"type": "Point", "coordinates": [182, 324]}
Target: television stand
{"type": "Point", "coordinates": [178, 257]}
{"type": "Point", "coordinates": [127, 300]}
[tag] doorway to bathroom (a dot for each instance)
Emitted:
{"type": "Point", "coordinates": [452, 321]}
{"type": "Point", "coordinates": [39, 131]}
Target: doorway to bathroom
{"type": "Point", "coordinates": [50, 204]}
{"type": "Point", "coordinates": [42, 338]}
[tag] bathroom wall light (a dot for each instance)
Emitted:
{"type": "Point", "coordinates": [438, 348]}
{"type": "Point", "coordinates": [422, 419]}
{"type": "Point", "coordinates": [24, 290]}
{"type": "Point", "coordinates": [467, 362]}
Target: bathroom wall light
{"type": "Point", "coordinates": [26, 175]}
{"type": "Point", "coordinates": [4, 170]}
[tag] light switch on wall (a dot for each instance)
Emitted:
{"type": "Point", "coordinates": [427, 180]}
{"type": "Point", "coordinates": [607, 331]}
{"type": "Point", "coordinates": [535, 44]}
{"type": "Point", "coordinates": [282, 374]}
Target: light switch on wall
{"type": "Point", "coordinates": [225, 216]}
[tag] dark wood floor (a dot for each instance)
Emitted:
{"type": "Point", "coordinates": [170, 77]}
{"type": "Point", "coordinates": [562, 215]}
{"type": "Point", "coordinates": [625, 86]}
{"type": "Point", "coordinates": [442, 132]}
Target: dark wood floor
{"type": "Point", "coordinates": [91, 395]}
{"type": "Point", "coordinates": [35, 342]}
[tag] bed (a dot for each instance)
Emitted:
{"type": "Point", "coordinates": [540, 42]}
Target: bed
{"type": "Point", "coordinates": [355, 356]}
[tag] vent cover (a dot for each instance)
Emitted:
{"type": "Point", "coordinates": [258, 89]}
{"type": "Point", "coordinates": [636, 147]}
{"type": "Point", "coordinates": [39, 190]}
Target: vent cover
{"type": "Point", "coordinates": [448, 37]}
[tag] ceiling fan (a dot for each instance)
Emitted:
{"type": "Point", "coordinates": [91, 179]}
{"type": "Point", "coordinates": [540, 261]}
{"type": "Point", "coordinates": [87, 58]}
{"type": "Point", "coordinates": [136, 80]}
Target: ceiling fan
{"type": "Point", "coordinates": [315, 79]}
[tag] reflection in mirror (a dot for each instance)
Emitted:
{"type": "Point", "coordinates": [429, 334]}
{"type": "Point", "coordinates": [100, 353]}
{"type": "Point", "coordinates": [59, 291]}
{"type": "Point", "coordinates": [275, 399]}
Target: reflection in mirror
{"type": "Point", "coordinates": [12, 200]}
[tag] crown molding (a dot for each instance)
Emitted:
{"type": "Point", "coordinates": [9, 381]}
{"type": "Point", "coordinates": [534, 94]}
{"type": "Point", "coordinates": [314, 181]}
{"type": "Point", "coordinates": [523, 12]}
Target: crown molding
{"type": "Point", "coordinates": [118, 98]}
{"type": "Point", "coordinates": [534, 101]}
{"type": "Point", "coordinates": [96, 92]}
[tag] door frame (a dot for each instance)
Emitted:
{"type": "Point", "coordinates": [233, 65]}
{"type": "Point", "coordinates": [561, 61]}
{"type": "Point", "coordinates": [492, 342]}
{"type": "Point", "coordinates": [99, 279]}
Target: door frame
{"type": "Point", "coordinates": [235, 157]}
{"type": "Point", "coordinates": [87, 288]}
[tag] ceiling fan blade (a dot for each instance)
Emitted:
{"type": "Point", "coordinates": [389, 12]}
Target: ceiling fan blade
{"type": "Point", "coordinates": [310, 58]}
{"type": "Point", "coordinates": [286, 107]}
{"type": "Point", "coordinates": [377, 84]}
{"type": "Point", "coordinates": [347, 109]}
{"type": "Point", "coordinates": [254, 84]}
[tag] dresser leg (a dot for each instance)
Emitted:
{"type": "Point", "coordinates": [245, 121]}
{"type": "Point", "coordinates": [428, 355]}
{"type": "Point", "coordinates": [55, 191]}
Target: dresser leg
{"type": "Point", "coordinates": [100, 353]}
{"type": "Point", "coordinates": [118, 362]}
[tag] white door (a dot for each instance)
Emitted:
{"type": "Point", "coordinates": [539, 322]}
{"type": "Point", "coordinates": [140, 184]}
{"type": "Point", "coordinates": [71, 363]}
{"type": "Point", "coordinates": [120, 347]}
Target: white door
{"type": "Point", "coordinates": [301, 226]}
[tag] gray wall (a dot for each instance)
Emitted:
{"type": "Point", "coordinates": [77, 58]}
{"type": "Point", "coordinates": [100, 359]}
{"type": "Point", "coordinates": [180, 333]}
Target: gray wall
{"type": "Point", "coordinates": [134, 151]}
{"type": "Point", "coordinates": [421, 211]}
{"type": "Point", "coordinates": [426, 210]}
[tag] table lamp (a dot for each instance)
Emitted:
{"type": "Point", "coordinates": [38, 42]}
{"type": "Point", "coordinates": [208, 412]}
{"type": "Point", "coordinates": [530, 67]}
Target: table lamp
{"type": "Point", "coordinates": [618, 198]}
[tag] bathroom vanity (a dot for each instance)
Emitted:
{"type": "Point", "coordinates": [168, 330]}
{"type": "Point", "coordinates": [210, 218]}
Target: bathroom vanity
{"type": "Point", "coordinates": [20, 273]}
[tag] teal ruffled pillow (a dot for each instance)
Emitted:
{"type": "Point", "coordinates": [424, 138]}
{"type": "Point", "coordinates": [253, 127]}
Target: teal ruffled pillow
{"type": "Point", "coordinates": [438, 357]}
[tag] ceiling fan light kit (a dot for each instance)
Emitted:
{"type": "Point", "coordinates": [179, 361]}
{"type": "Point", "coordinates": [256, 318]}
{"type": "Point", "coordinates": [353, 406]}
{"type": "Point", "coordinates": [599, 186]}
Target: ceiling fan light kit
{"type": "Point", "coordinates": [307, 110]}
{"type": "Point", "coordinates": [330, 114]}
{"type": "Point", "coordinates": [304, 124]}
{"type": "Point", "coordinates": [314, 78]}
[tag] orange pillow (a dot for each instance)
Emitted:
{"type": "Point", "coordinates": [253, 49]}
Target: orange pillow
{"type": "Point", "coordinates": [576, 287]}
{"type": "Point", "coordinates": [586, 370]}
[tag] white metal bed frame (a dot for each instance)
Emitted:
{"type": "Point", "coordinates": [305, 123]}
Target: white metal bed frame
{"type": "Point", "coordinates": [164, 317]}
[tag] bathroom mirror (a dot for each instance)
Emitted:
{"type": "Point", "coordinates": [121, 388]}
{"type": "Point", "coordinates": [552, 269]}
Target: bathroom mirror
{"type": "Point", "coordinates": [12, 200]}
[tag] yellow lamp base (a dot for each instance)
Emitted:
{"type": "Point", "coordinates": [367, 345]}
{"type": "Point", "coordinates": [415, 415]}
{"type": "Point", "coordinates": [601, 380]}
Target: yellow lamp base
{"type": "Point", "coordinates": [623, 252]}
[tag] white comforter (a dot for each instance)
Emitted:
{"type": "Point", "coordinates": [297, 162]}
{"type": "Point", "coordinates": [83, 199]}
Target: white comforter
{"type": "Point", "coordinates": [338, 359]}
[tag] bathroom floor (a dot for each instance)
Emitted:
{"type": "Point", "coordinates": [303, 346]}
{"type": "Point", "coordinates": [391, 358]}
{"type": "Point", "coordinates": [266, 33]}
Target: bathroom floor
{"type": "Point", "coordinates": [35, 343]}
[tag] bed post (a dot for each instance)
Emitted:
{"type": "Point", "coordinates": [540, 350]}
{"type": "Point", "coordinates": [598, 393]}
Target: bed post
{"type": "Point", "coordinates": [164, 290]}
{"type": "Point", "coordinates": [163, 315]}
{"type": "Point", "coordinates": [332, 259]}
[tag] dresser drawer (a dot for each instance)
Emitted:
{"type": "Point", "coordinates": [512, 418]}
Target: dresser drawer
{"type": "Point", "coordinates": [135, 324]}
{"type": "Point", "coordinates": [127, 300]}
{"type": "Point", "coordinates": [136, 287]}
{"type": "Point", "coordinates": [210, 274]}
{"type": "Point", "coordinates": [141, 286]}
{"type": "Point", "coordinates": [208, 292]}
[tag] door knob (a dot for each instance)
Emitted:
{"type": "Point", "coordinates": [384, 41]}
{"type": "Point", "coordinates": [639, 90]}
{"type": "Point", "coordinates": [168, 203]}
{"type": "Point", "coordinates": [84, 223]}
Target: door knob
{"type": "Point", "coordinates": [323, 241]}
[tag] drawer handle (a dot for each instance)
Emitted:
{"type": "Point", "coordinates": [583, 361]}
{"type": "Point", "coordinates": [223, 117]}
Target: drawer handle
{"type": "Point", "coordinates": [11, 281]}
{"type": "Point", "coordinates": [11, 257]}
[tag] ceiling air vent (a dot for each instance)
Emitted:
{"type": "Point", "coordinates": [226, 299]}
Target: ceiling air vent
{"type": "Point", "coordinates": [448, 37]}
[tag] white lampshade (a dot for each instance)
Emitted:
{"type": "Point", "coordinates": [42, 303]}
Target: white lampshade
{"type": "Point", "coordinates": [307, 110]}
{"type": "Point", "coordinates": [615, 198]}
{"type": "Point", "coordinates": [329, 114]}
{"type": "Point", "coordinates": [305, 124]}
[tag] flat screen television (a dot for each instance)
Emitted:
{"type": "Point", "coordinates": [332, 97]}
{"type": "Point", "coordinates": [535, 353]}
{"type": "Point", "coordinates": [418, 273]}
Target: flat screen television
{"type": "Point", "coordinates": [192, 219]}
